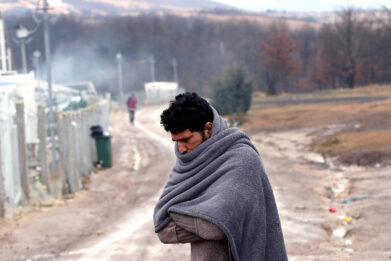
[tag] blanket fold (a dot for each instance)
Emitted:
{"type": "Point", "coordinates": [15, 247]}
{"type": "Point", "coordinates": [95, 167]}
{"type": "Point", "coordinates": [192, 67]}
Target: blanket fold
{"type": "Point", "coordinates": [223, 181]}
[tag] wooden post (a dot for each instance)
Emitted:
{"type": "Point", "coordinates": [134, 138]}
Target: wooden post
{"type": "Point", "coordinates": [42, 134]}
{"type": "Point", "coordinates": [61, 177]}
{"type": "Point", "coordinates": [22, 149]}
{"type": "Point", "coordinates": [2, 192]}
{"type": "Point", "coordinates": [74, 156]}
{"type": "Point", "coordinates": [68, 155]}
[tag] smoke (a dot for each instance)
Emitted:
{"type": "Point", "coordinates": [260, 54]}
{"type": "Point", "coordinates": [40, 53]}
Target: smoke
{"type": "Point", "coordinates": [78, 62]}
{"type": "Point", "coordinates": [83, 62]}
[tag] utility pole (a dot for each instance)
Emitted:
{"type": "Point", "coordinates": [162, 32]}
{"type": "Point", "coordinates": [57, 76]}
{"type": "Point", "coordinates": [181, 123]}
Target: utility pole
{"type": "Point", "coordinates": [174, 66]}
{"type": "Point", "coordinates": [152, 63]}
{"type": "Point", "coordinates": [9, 59]}
{"type": "Point", "coordinates": [52, 117]}
{"type": "Point", "coordinates": [36, 55]}
{"type": "Point", "coordinates": [120, 60]}
{"type": "Point", "coordinates": [23, 46]}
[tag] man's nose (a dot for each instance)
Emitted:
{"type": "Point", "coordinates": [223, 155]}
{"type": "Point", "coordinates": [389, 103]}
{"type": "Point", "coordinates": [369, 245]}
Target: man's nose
{"type": "Point", "coordinates": [182, 148]}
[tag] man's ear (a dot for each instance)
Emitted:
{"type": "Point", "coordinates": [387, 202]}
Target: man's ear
{"type": "Point", "coordinates": [208, 129]}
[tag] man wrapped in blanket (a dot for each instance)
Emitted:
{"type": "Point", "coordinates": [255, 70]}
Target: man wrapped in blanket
{"type": "Point", "coordinates": [218, 197]}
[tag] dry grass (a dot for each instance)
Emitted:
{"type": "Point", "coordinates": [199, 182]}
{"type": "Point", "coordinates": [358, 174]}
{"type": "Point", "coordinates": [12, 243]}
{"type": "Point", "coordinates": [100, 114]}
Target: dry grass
{"type": "Point", "coordinates": [272, 117]}
{"type": "Point", "coordinates": [350, 142]}
{"type": "Point", "coordinates": [367, 120]}
{"type": "Point", "coordinates": [280, 112]}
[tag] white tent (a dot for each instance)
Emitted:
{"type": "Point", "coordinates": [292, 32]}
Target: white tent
{"type": "Point", "coordinates": [24, 85]}
{"type": "Point", "coordinates": [159, 92]}
{"type": "Point", "coordinates": [9, 144]}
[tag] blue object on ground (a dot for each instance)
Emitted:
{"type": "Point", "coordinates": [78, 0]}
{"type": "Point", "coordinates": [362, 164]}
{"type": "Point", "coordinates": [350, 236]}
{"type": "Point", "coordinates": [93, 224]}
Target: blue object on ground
{"type": "Point", "coordinates": [346, 202]}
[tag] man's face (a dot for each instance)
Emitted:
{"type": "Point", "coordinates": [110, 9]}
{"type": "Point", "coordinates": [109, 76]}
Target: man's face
{"type": "Point", "coordinates": [188, 140]}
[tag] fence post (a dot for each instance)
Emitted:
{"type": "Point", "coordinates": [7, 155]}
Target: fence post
{"type": "Point", "coordinates": [77, 148]}
{"type": "Point", "coordinates": [61, 179]}
{"type": "Point", "coordinates": [73, 156]}
{"type": "Point", "coordinates": [22, 149]}
{"type": "Point", "coordinates": [42, 135]}
{"type": "Point", "coordinates": [2, 192]}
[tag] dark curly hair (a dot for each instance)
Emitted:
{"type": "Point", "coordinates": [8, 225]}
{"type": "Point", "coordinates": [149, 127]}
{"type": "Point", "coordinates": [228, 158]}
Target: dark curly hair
{"type": "Point", "coordinates": [187, 111]}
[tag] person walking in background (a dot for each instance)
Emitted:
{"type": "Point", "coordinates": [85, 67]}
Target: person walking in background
{"type": "Point", "coordinates": [218, 197]}
{"type": "Point", "coordinates": [131, 103]}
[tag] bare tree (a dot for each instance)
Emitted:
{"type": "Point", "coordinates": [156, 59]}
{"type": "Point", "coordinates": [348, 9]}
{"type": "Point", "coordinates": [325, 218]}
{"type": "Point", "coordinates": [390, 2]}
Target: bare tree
{"type": "Point", "coordinates": [343, 44]}
{"type": "Point", "coordinates": [378, 52]}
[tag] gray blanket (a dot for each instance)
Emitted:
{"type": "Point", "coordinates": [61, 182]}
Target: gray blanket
{"type": "Point", "coordinates": [223, 181]}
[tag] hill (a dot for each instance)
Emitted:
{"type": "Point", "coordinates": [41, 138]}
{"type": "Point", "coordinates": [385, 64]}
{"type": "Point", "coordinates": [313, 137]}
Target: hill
{"type": "Point", "coordinates": [110, 7]}
{"type": "Point", "coordinates": [97, 9]}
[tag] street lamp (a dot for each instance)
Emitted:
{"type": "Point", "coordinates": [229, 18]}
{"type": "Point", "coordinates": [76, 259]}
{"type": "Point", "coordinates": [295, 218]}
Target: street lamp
{"type": "Point", "coordinates": [52, 113]}
{"type": "Point", "coordinates": [120, 60]}
{"type": "Point", "coordinates": [36, 56]}
{"type": "Point", "coordinates": [23, 38]}
{"type": "Point", "coordinates": [22, 33]}
{"type": "Point", "coordinates": [175, 69]}
{"type": "Point", "coordinates": [152, 63]}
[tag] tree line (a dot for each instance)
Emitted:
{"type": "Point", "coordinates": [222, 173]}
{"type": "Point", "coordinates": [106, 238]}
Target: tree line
{"type": "Point", "coordinates": [350, 51]}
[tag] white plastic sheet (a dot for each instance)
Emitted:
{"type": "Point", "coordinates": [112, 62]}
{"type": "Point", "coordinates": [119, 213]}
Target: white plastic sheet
{"type": "Point", "coordinates": [9, 145]}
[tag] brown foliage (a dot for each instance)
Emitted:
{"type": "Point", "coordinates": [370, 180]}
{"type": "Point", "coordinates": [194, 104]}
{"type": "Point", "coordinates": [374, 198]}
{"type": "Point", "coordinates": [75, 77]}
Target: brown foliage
{"type": "Point", "coordinates": [279, 58]}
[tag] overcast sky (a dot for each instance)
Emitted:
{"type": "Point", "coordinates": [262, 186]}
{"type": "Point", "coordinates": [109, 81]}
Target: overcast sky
{"type": "Point", "coordinates": [303, 5]}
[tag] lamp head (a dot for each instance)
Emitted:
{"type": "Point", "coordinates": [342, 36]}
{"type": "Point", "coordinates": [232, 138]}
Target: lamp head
{"type": "Point", "coordinates": [36, 54]}
{"type": "Point", "coordinates": [119, 56]}
{"type": "Point", "coordinates": [22, 32]}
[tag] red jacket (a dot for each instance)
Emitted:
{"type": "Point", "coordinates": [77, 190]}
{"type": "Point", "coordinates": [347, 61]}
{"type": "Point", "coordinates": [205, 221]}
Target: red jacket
{"type": "Point", "coordinates": [131, 103]}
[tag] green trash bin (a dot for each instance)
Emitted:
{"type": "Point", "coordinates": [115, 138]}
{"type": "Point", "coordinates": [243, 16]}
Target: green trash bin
{"type": "Point", "coordinates": [103, 149]}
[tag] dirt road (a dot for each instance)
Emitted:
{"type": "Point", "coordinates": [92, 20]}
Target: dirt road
{"type": "Point", "coordinates": [307, 186]}
{"type": "Point", "coordinates": [112, 218]}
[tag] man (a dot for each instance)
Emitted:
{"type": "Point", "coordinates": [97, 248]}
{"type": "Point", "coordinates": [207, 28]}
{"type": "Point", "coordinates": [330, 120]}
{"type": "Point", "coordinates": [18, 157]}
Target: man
{"type": "Point", "coordinates": [218, 197]}
{"type": "Point", "coordinates": [131, 103]}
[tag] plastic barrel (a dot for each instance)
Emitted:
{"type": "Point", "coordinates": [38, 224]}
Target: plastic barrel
{"type": "Point", "coordinates": [103, 149]}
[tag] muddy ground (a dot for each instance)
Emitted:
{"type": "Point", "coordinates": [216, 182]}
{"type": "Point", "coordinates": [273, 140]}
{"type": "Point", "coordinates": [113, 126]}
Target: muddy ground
{"type": "Point", "coordinates": [112, 218]}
